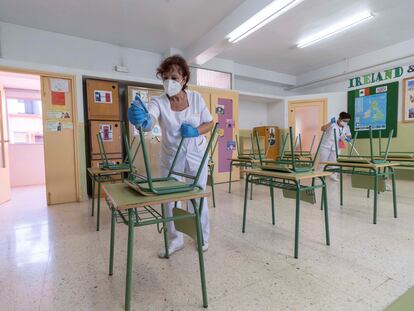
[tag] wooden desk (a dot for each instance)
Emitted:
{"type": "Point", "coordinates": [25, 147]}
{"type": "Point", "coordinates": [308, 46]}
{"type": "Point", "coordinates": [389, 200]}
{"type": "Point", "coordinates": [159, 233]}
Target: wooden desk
{"type": "Point", "coordinates": [135, 210]}
{"type": "Point", "coordinates": [98, 175]}
{"type": "Point", "coordinates": [288, 181]}
{"type": "Point", "coordinates": [368, 169]}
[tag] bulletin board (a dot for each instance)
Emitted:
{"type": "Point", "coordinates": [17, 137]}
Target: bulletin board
{"type": "Point", "coordinates": [376, 106]}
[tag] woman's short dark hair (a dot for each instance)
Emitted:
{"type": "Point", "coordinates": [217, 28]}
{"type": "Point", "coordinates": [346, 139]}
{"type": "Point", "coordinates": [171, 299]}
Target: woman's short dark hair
{"type": "Point", "coordinates": [174, 60]}
{"type": "Point", "coordinates": [344, 115]}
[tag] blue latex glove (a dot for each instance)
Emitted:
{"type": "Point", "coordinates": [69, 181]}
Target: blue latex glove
{"type": "Point", "coordinates": [333, 120]}
{"type": "Point", "coordinates": [138, 114]}
{"type": "Point", "coordinates": [348, 139]}
{"type": "Point", "coordinates": [188, 131]}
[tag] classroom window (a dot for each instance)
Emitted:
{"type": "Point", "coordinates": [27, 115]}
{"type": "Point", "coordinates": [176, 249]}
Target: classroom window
{"type": "Point", "coordinates": [212, 78]}
{"type": "Point", "coordinates": [24, 106]}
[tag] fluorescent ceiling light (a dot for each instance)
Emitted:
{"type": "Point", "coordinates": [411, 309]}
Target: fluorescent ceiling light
{"type": "Point", "coordinates": [337, 28]}
{"type": "Point", "coordinates": [261, 18]}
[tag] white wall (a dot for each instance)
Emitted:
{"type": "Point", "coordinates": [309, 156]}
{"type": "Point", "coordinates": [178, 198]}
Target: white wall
{"type": "Point", "coordinates": [252, 114]}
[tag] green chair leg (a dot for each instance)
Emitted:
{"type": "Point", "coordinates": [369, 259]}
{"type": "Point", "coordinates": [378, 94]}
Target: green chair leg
{"type": "Point", "coordinates": [375, 197]}
{"type": "Point", "coordinates": [212, 188]}
{"type": "Point", "coordinates": [164, 229]}
{"type": "Point", "coordinates": [112, 244]}
{"type": "Point", "coordinates": [93, 194]}
{"type": "Point", "coordinates": [394, 191]}
{"type": "Point", "coordinates": [231, 169]}
{"type": "Point", "coordinates": [246, 189]}
{"type": "Point", "coordinates": [297, 216]}
{"type": "Point", "coordinates": [341, 182]}
{"type": "Point", "coordinates": [368, 192]}
{"type": "Point", "coordinates": [98, 206]}
{"type": "Point", "coordinates": [272, 197]}
{"type": "Point", "coordinates": [200, 251]}
{"type": "Point", "coordinates": [251, 191]}
{"type": "Point", "coordinates": [325, 200]}
{"type": "Point", "coordinates": [130, 256]}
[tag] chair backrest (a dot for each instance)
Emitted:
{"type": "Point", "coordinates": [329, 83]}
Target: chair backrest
{"type": "Point", "coordinates": [372, 156]}
{"type": "Point", "coordinates": [172, 171]}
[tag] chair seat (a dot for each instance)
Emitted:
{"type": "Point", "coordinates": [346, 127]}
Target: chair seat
{"type": "Point", "coordinates": [171, 183]}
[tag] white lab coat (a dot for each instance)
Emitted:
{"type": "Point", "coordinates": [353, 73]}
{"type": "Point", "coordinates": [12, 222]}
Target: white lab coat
{"type": "Point", "coordinates": [327, 152]}
{"type": "Point", "coordinates": [191, 153]}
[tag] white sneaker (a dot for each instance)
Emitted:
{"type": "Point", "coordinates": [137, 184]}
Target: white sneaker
{"type": "Point", "coordinates": [334, 177]}
{"type": "Point", "coordinates": [205, 247]}
{"type": "Point", "coordinates": [171, 250]}
{"type": "Point", "coordinates": [388, 187]}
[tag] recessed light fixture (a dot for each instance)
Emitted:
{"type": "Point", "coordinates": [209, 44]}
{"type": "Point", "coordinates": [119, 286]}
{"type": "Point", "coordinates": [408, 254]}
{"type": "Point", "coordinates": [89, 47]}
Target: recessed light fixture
{"type": "Point", "coordinates": [261, 18]}
{"type": "Point", "coordinates": [337, 28]}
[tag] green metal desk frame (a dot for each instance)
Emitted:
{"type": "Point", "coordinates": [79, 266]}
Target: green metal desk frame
{"type": "Point", "coordinates": [244, 164]}
{"type": "Point", "coordinates": [373, 170]}
{"type": "Point", "coordinates": [288, 181]}
{"type": "Point", "coordinates": [98, 175]}
{"type": "Point", "coordinates": [134, 210]}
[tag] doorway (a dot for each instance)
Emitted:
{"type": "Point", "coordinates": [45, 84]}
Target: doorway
{"type": "Point", "coordinates": [38, 144]}
{"type": "Point", "coordinates": [306, 117]}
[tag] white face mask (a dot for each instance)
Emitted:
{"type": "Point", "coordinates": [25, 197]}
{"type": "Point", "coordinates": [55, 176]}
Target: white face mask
{"type": "Point", "coordinates": [343, 124]}
{"type": "Point", "coordinates": [172, 87]}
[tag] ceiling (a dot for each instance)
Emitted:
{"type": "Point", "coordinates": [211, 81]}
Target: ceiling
{"type": "Point", "coordinates": [157, 25]}
{"type": "Point", "coordinates": [273, 46]}
{"type": "Point", "coordinates": [152, 25]}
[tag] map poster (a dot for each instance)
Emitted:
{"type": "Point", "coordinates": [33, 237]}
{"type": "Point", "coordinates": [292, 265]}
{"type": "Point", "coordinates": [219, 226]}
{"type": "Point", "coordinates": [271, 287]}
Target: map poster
{"type": "Point", "coordinates": [371, 111]}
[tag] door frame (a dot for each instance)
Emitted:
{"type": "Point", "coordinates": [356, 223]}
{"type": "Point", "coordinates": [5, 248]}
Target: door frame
{"type": "Point", "coordinates": [72, 78]}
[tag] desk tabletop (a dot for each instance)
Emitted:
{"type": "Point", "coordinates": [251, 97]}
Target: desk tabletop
{"type": "Point", "coordinates": [244, 160]}
{"type": "Point", "coordinates": [400, 159]}
{"type": "Point", "coordinates": [361, 165]}
{"type": "Point", "coordinates": [123, 197]}
{"type": "Point", "coordinates": [287, 176]}
{"type": "Point", "coordinates": [98, 171]}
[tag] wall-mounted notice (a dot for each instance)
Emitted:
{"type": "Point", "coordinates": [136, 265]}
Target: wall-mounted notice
{"type": "Point", "coordinates": [58, 98]}
{"type": "Point", "coordinates": [59, 85]}
{"type": "Point", "coordinates": [106, 132]}
{"type": "Point", "coordinates": [103, 97]}
{"type": "Point", "coordinates": [58, 114]}
{"type": "Point", "coordinates": [53, 126]}
{"type": "Point", "coordinates": [143, 94]}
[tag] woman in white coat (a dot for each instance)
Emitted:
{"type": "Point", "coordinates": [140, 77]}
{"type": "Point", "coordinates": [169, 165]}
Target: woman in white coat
{"type": "Point", "coordinates": [343, 135]}
{"type": "Point", "coordinates": [180, 113]}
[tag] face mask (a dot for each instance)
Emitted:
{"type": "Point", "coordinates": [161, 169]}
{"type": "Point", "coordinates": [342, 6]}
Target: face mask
{"type": "Point", "coordinates": [342, 123]}
{"type": "Point", "coordinates": [172, 87]}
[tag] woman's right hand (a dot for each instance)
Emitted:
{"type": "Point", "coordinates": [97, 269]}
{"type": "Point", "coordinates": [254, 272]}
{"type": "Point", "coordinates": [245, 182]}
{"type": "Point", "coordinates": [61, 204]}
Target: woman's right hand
{"type": "Point", "coordinates": [138, 116]}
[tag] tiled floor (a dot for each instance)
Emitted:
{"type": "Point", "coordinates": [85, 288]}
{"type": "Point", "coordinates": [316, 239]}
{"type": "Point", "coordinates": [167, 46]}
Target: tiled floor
{"type": "Point", "coordinates": [51, 258]}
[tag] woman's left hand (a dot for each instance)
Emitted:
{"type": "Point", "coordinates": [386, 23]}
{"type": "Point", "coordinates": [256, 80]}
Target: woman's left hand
{"type": "Point", "coordinates": [188, 131]}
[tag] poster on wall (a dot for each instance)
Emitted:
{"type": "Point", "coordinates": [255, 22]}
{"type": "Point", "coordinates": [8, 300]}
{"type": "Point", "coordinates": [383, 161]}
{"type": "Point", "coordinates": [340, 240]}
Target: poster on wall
{"type": "Point", "coordinates": [106, 132]}
{"type": "Point", "coordinates": [58, 98]}
{"type": "Point", "coordinates": [59, 85]}
{"type": "Point", "coordinates": [408, 94]}
{"type": "Point", "coordinates": [374, 107]}
{"type": "Point", "coordinates": [143, 94]}
{"type": "Point", "coordinates": [103, 97]}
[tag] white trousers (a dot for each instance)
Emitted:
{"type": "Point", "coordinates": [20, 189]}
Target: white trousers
{"type": "Point", "coordinates": [174, 236]}
{"type": "Point", "coordinates": [326, 155]}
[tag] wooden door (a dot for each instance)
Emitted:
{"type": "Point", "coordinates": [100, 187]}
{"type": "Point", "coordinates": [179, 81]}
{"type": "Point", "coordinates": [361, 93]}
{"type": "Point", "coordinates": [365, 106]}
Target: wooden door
{"type": "Point", "coordinates": [5, 189]}
{"type": "Point", "coordinates": [59, 140]}
{"type": "Point", "coordinates": [306, 117]}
